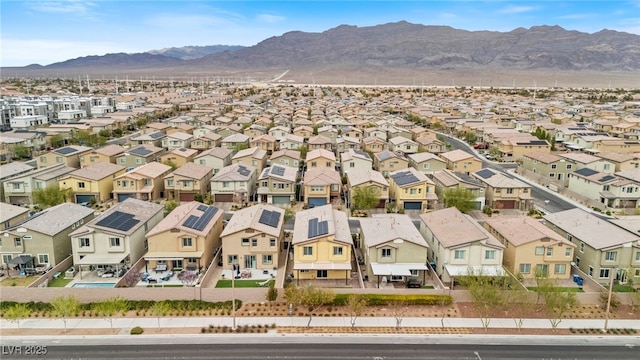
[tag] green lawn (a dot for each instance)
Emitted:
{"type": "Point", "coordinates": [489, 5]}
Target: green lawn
{"type": "Point", "coordinates": [559, 289]}
{"type": "Point", "coordinates": [59, 282]}
{"type": "Point", "coordinates": [623, 288]}
{"type": "Point", "coordinates": [241, 283]}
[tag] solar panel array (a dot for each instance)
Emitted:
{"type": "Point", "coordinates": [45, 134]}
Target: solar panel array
{"type": "Point", "coordinates": [318, 228]}
{"type": "Point", "coordinates": [202, 207]}
{"type": "Point", "coordinates": [405, 177]}
{"type": "Point", "coordinates": [243, 171]}
{"type": "Point", "coordinates": [156, 135]}
{"type": "Point", "coordinates": [277, 170]}
{"type": "Point", "coordinates": [585, 172]}
{"type": "Point", "coordinates": [485, 173]}
{"type": "Point", "coordinates": [66, 150]}
{"type": "Point", "coordinates": [384, 155]}
{"type": "Point", "coordinates": [362, 153]}
{"type": "Point", "coordinates": [140, 151]}
{"type": "Point", "coordinates": [118, 220]}
{"type": "Point", "coordinates": [199, 223]}
{"type": "Point", "coordinates": [269, 218]}
{"type": "Point", "coordinates": [607, 178]}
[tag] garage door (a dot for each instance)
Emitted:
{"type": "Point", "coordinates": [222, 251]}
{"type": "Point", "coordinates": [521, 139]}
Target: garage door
{"type": "Point", "coordinates": [281, 200]}
{"type": "Point", "coordinates": [317, 201]}
{"type": "Point", "coordinates": [413, 205]}
{"type": "Point", "coordinates": [19, 200]}
{"type": "Point", "coordinates": [84, 198]}
{"type": "Point", "coordinates": [224, 197]}
{"type": "Point", "coordinates": [506, 204]}
{"type": "Point", "coordinates": [186, 197]}
{"type": "Point", "coordinates": [123, 197]}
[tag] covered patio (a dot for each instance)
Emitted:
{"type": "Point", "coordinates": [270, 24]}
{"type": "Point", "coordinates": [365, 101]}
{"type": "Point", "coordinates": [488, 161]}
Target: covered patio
{"type": "Point", "coordinates": [104, 265]}
{"type": "Point", "coordinates": [326, 266]}
{"type": "Point", "coordinates": [397, 272]}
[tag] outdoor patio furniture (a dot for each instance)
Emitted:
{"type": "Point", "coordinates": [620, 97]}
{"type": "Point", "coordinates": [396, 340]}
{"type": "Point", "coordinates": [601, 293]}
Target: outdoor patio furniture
{"type": "Point", "coordinates": [167, 276]}
{"type": "Point", "coordinates": [57, 274]}
{"type": "Point", "coordinates": [264, 283]}
{"type": "Point", "coordinates": [144, 277]}
{"type": "Point", "coordinates": [161, 267]}
{"type": "Point", "coordinates": [152, 280]}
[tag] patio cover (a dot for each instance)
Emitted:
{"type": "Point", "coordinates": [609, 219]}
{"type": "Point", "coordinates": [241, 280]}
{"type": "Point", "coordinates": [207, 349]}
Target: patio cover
{"type": "Point", "coordinates": [172, 255]}
{"type": "Point", "coordinates": [322, 266]}
{"type": "Point", "coordinates": [396, 269]}
{"type": "Point", "coordinates": [102, 259]}
{"type": "Point", "coordinates": [21, 260]}
{"type": "Point", "coordinates": [464, 270]}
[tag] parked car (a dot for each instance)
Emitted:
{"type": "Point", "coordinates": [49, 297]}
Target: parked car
{"type": "Point", "coordinates": [414, 283]}
{"type": "Point", "coordinates": [481, 146]}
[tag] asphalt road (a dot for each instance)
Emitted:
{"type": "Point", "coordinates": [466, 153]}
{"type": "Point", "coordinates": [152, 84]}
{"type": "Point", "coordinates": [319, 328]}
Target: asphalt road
{"type": "Point", "coordinates": [328, 350]}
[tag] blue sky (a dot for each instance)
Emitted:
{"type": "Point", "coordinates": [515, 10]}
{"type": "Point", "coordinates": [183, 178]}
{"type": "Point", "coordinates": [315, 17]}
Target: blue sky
{"type": "Point", "coordinates": [49, 31]}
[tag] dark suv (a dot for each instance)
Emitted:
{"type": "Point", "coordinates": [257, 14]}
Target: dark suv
{"type": "Point", "coordinates": [414, 283]}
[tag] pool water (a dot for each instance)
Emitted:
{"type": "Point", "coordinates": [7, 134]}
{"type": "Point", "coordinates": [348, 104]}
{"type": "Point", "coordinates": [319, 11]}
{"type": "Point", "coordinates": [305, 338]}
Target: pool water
{"type": "Point", "coordinates": [94, 285]}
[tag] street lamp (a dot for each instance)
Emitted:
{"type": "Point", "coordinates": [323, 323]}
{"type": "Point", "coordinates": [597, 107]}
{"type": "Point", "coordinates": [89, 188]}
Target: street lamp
{"type": "Point", "coordinates": [606, 319]}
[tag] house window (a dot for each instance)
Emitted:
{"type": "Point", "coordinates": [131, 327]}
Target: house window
{"type": "Point", "coordinates": [352, 164]}
{"type": "Point", "coordinates": [582, 247]}
{"type": "Point", "coordinates": [186, 183]}
{"type": "Point", "coordinates": [337, 250]}
{"type": "Point", "coordinates": [317, 188]}
{"type": "Point", "coordinates": [314, 164]}
{"type": "Point", "coordinates": [425, 165]}
{"type": "Point", "coordinates": [85, 242]}
{"type": "Point", "coordinates": [232, 259]}
{"type": "Point", "coordinates": [17, 241]}
{"type": "Point", "coordinates": [604, 273]}
{"type": "Point", "coordinates": [114, 241]}
{"type": "Point", "coordinates": [169, 182]}
{"type": "Point", "coordinates": [147, 182]}
{"type": "Point", "coordinates": [59, 159]}
{"type": "Point", "coordinates": [43, 159]}
{"type": "Point", "coordinates": [80, 185]}
{"type": "Point", "coordinates": [385, 253]}
{"type": "Point", "coordinates": [525, 268]}
{"type": "Point", "coordinates": [552, 175]}
{"type": "Point", "coordinates": [539, 250]}
{"type": "Point", "coordinates": [549, 251]}
{"type": "Point", "coordinates": [138, 160]}
{"type": "Point", "coordinates": [122, 161]}
{"type": "Point", "coordinates": [254, 242]}
{"type": "Point", "coordinates": [335, 187]}
{"type": "Point", "coordinates": [637, 255]}
{"type": "Point", "coordinates": [225, 184]}
{"type": "Point", "coordinates": [490, 254]}
{"type": "Point", "coordinates": [607, 166]}
{"type": "Point", "coordinates": [459, 255]}
{"type": "Point", "coordinates": [43, 258]}
{"type": "Point", "coordinates": [560, 268]}
{"type": "Point", "coordinates": [187, 242]}
{"type": "Point", "coordinates": [554, 166]}
{"type": "Point", "coordinates": [245, 242]}
{"type": "Point", "coordinates": [272, 242]}
{"type": "Point", "coordinates": [569, 166]}
{"type": "Point", "coordinates": [265, 184]}
{"type": "Point", "coordinates": [412, 191]}
{"type": "Point", "coordinates": [610, 255]}
{"type": "Point", "coordinates": [146, 244]}
{"type": "Point", "coordinates": [267, 259]}
{"type": "Point", "coordinates": [328, 164]}
{"type": "Point", "coordinates": [322, 274]}
{"type": "Point", "coordinates": [6, 258]}
{"type": "Point", "coordinates": [16, 186]}
{"type": "Point", "coordinates": [509, 191]}
{"type": "Point", "coordinates": [307, 250]}
{"type": "Point", "coordinates": [605, 188]}
{"type": "Point", "coordinates": [567, 251]}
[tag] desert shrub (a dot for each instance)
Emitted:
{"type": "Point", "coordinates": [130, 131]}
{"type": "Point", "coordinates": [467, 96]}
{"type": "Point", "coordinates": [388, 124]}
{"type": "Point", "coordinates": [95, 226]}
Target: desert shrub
{"type": "Point", "coordinates": [137, 330]}
{"type": "Point", "coordinates": [388, 299]}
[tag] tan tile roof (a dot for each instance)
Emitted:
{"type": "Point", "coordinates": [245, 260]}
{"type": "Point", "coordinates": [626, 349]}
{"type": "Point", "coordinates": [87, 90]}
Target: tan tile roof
{"type": "Point", "coordinates": [360, 176]}
{"type": "Point", "coordinates": [456, 155]}
{"type": "Point", "coordinates": [153, 169]}
{"type": "Point", "coordinates": [322, 176]}
{"type": "Point", "coordinates": [519, 230]}
{"type": "Point", "coordinates": [543, 157]}
{"type": "Point", "coordinates": [97, 171]}
{"type": "Point", "coordinates": [317, 153]}
{"type": "Point", "coordinates": [394, 226]}
{"type": "Point", "coordinates": [453, 228]}
{"type": "Point", "coordinates": [192, 170]}
{"type": "Point", "coordinates": [177, 217]}
{"type": "Point", "coordinates": [338, 224]}
{"type": "Point", "coordinates": [248, 218]}
{"type": "Point", "coordinates": [111, 150]}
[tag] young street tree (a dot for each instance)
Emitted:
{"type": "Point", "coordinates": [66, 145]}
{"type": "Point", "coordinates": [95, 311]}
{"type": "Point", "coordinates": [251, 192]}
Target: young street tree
{"type": "Point", "coordinates": [459, 197]}
{"type": "Point", "coordinates": [310, 297]}
{"type": "Point", "coordinates": [16, 313]}
{"type": "Point", "coordinates": [485, 293]}
{"type": "Point", "coordinates": [556, 302]}
{"type": "Point", "coordinates": [519, 303]}
{"type": "Point", "coordinates": [64, 307]}
{"type": "Point", "coordinates": [112, 307]}
{"type": "Point", "coordinates": [272, 293]}
{"type": "Point", "coordinates": [365, 198]}
{"type": "Point", "coordinates": [356, 305]}
{"type": "Point", "coordinates": [399, 310]}
{"type": "Point", "coordinates": [51, 196]}
{"type": "Point", "coordinates": [160, 309]}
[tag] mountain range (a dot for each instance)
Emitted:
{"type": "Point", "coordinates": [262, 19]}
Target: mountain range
{"type": "Point", "coordinates": [395, 45]}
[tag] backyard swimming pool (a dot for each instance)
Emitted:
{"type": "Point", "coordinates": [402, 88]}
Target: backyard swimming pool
{"type": "Point", "coordinates": [94, 285]}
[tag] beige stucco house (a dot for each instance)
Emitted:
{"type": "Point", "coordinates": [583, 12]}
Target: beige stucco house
{"type": "Point", "coordinates": [145, 182]}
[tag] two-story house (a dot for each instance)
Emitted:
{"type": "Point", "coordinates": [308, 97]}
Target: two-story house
{"type": "Point", "coordinates": [215, 158]}
{"type": "Point", "coordinates": [145, 182]}
{"type": "Point", "coordinates": [430, 144]}
{"type": "Point", "coordinates": [185, 239]}
{"type": "Point", "coordinates": [447, 180]}
{"type": "Point", "coordinates": [321, 158]}
{"type": "Point", "coordinates": [320, 142]}
{"type": "Point", "coordinates": [532, 249]}
{"type": "Point", "coordinates": [188, 181]}
{"type": "Point", "coordinates": [461, 161]}
{"type": "Point", "coordinates": [11, 215]}
{"type": "Point", "coordinates": [45, 237]}
{"type": "Point", "coordinates": [321, 186]}
{"type": "Point", "coordinates": [403, 145]}
{"type": "Point", "coordinates": [412, 190]}
{"type": "Point", "coordinates": [251, 239]}
{"type": "Point", "coordinates": [178, 157]}
{"type": "Point", "coordinates": [604, 248]}
{"type": "Point", "coordinates": [234, 183]}
{"type": "Point", "coordinates": [19, 189]}
{"type": "Point", "coordinates": [68, 156]}
{"type": "Point", "coordinates": [387, 161]}
{"type": "Point", "coordinates": [459, 246]}
{"type": "Point", "coordinates": [374, 144]}
{"type": "Point", "coordinates": [291, 142]}
{"type": "Point", "coordinates": [353, 160]}
{"type": "Point", "coordinates": [393, 248]}
{"type": "Point", "coordinates": [207, 141]}
{"type": "Point", "coordinates": [265, 142]}
{"type": "Point", "coordinates": [503, 192]}
{"type": "Point", "coordinates": [177, 140]}
{"type": "Point", "coordinates": [117, 238]}
{"type": "Point", "coordinates": [92, 183]}
{"type": "Point", "coordinates": [426, 162]}
{"type": "Point", "coordinates": [553, 168]}
{"type": "Point", "coordinates": [322, 244]}
{"type": "Point", "coordinates": [254, 157]}
{"type": "Point", "coordinates": [370, 179]}
{"type": "Point", "coordinates": [285, 157]}
{"type": "Point", "coordinates": [235, 142]}
{"type": "Point", "coordinates": [140, 155]}
{"type": "Point", "coordinates": [277, 185]}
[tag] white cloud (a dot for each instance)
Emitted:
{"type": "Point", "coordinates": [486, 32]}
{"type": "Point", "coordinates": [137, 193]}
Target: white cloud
{"type": "Point", "coordinates": [270, 19]}
{"type": "Point", "coordinates": [18, 52]}
{"type": "Point", "coordinates": [576, 16]}
{"type": "Point", "coordinates": [517, 9]}
{"type": "Point", "coordinates": [62, 7]}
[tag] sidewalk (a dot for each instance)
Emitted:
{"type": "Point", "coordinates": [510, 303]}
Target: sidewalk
{"type": "Point", "coordinates": [301, 321]}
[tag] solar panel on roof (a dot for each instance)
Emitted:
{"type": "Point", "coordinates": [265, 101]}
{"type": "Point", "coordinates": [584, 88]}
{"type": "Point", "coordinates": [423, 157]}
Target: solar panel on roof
{"type": "Point", "coordinates": [586, 172]}
{"type": "Point", "coordinates": [156, 135]}
{"type": "Point", "coordinates": [191, 220]}
{"type": "Point", "coordinates": [243, 171]}
{"type": "Point", "coordinates": [141, 151]}
{"type": "Point", "coordinates": [313, 228]}
{"type": "Point", "coordinates": [264, 217]}
{"type": "Point", "coordinates": [277, 170]}
{"type": "Point", "coordinates": [362, 153]}
{"type": "Point", "coordinates": [204, 219]}
{"type": "Point", "coordinates": [202, 207]}
{"type": "Point", "coordinates": [404, 178]}
{"type": "Point", "coordinates": [119, 221]}
{"type": "Point", "coordinates": [323, 227]}
{"type": "Point", "coordinates": [485, 173]}
{"type": "Point", "coordinates": [607, 178]}
{"type": "Point", "coordinates": [66, 150]}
